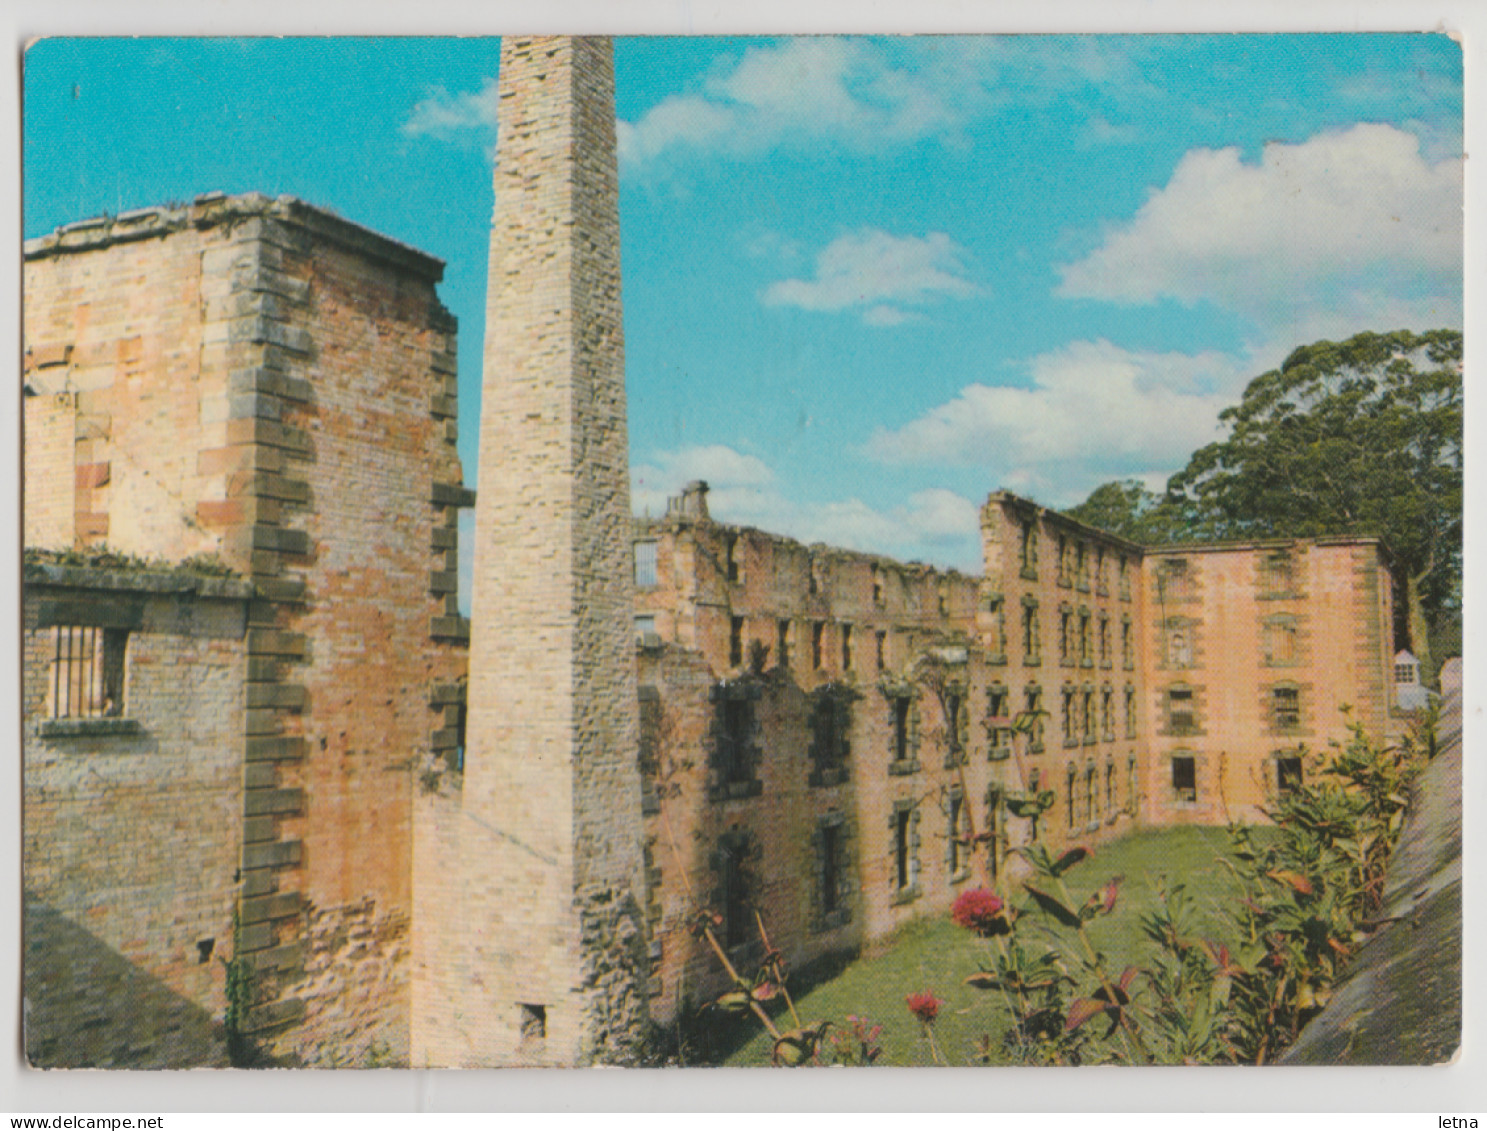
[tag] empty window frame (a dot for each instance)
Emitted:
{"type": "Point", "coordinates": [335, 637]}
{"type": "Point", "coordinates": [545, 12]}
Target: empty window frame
{"type": "Point", "coordinates": [735, 731]}
{"type": "Point", "coordinates": [905, 862]}
{"type": "Point", "coordinates": [1104, 640]}
{"type": "Point", "coordinates": [782, 642]}
{"type": "Point", "coordinates": [818, 638]}
{"type": "Point", "coordinates": [1279, 641]}
{"type": "Point", "coordinates": [645, 565]}
{"type": "Point", "coordinates": [1029, 550]}
{"type": "Point", "coordinates": [1087, 716]}
{"type": "Point", "coordinates": [1071, 736]}
{"type": "Point", "coordinates": [846, 647]}
{"type": "Point", "coordinates": [735, 640]}
{"type": "Point", "coordinates": [1086, 648]}
{"type": "Point", "coordinates": [1107, 714]}
{"type": "Point", "coordinates": [1278, 573]}
{"type": "Point", "coordinates": [1031, 652]}
{"type": "Point", "coordinates": [956, 856]}
{"type": "Point", "coordinates": [1184, 777]}
{"type": "Point", "coordinates": [902, 708]}
{"type": "Point", "coordinates": [831, 865]}
{"type": "Point", "coordinates": [1285, 707]}
{"type": "Point", "coordinates": [881, 639]}
{"type": "Point", "coordinates": [1130, 712]}
{"type": "Point", "coordinates": [730, 550]}
{"type": "Point", "coordinates": [1179, 638]}
{"type": "Point", "coordinates": [738, 920]}
{"type": "Point", "coordinates": [87, 672]}
{"type": "Point", "coordinates": [1181, 718]}
{"type": "Point", "coordinates": [1287, 773]}
{"type": "Point", "coordinates": [1033, 697]}
{"type": "Point", "coordinates": [998, 717]}
{"type": "Point", "coordinates": [1071, 779]}
{"type": "Point", "coordinates": [1174, 580]}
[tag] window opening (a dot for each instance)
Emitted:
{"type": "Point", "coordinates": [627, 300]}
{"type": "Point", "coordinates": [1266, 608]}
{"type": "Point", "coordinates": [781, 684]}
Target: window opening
{"type": "Point", "coordinates": [732, 559]}
{"type": "Point", "coordinates": [88, 672]}
{"type": "Point", "coordinates": [1286, 704]}
{"type": "Point", "coordinates": [818, 631]}
{"type": "Point", "coordinates": [1185, 778]}
{"type": "Point", "coordinates": [735, 641]}
{"type": "Point", "coordinates": [901, 823]}
{"type": "Point", "coordinates": [830, 863]}
{"type": "Point", "coordinates": [1180, 710]}
{"type": "Point", "coordinates": [1288, 774]}
{"type": "Point", "coordinates": [846, 647]}
{"type": "Point", "coordinates": [645, 565]}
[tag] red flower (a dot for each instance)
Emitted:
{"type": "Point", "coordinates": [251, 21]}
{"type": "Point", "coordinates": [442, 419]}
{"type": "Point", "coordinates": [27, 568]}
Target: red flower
{"type": "Point", "coordinates": [981, 911]}
{"type": "Point", "coordinates": [923, 1005]}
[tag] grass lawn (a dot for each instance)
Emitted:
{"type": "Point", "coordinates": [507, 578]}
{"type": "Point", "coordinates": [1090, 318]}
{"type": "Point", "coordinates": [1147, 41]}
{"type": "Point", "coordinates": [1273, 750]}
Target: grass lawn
{"type": "Point", "coordinates": [934, 954]}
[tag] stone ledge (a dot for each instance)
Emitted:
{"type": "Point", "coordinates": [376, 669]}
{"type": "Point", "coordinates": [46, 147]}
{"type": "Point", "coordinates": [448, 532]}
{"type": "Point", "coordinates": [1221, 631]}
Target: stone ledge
{"type": "Point", "coordinates": [452, 495]}
{"type": "Point", "coordinates": [88, 728]}
{"type": "Point", "coordinates": [134, 581]}
{"type": "Point", "coordinates": [449, 628]}
{"type": "Point", "coordinates": [290, 1011]}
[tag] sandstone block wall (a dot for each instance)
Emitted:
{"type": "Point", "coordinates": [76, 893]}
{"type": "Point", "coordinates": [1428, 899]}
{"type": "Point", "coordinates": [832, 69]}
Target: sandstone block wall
{"type": "Point", "coordinates": [132, 826]}
{"type": "Point", "coordinates": [857, 628]}
{"type": "Point", "coordinates": [1062, 604]}
{"type": "Point", "coordinates": [265, 382]}
{"type": "Point", "coordinates": [1307, 617]}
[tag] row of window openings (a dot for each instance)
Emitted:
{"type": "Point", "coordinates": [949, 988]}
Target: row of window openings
{"type": "Point", "coordinates": [1182, 718]}
{"type": "Point", "coordinates": [1277, 644]}
{"type": "Point", "coordinates": [847, 641]}
{"type": "Point", "coordinates": [1075, 638]}
{"type": "Point", "coordinates": [647, 577]}
{"type": "Point", "coordinates": [87, 672]}
{"type": "Point", "coordinates": [1176, 580]}
{"type": "Point", "coordinates": [1074, 562]}
{"type": "Point", "coordinates": [1079, 716]}
{"type": "Point", "coordinates": [1185, 776]}
{"type": "Point", "coordinates": [1086, 806]}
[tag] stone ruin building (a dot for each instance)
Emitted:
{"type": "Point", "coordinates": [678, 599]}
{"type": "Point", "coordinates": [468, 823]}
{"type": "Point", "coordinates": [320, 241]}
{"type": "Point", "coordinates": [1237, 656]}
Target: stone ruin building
{"type": "Point", "coordinates": [283, 804]}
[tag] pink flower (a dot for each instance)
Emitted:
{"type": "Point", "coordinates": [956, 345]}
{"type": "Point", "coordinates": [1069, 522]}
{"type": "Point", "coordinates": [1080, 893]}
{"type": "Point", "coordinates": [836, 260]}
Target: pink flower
{"type": "Point", "coordinates": [981, 911]}
{"type": "Point", "coordinates": [923, 1005]}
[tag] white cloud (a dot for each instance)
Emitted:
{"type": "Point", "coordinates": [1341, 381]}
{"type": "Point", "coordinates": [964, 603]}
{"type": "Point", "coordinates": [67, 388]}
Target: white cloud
{"type": "Point", "coordinates": [1092, 411]}
{"type": "Point", "coordinates": [934, 525]}
{"type": "Point", "coordinates": [445, 116]}
{"type": "Point", "coordinates": [879, 271]}
{"type": "Point", "coordinates": [801, 91]}
{"type": "Point", "coordinates": [1333, 222]}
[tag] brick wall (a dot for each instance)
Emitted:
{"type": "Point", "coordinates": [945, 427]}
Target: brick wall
{"type": "Point", "coordinates": [132, 833]}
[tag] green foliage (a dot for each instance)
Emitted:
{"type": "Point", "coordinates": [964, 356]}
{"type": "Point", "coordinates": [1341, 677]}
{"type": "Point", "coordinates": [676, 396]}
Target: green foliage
{"type": "Point", "coordinates": [239, 992]}
{"type": "Point", "coordinates": [101, 557]}
{"type": "Point", "coordinates": [1125, 507]}
{"type": "Point", "coordinates": [1355, 437]}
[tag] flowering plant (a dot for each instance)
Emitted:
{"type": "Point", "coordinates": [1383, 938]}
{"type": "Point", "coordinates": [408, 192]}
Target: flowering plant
{"type": "Point", "coordinates": [924, 1005]}
{"type": "Point", "coordinates": [981, 911]}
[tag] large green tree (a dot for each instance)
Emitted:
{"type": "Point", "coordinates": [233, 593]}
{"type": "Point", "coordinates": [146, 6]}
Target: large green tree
{"type": "Point", "coordinates": [1355, 437]}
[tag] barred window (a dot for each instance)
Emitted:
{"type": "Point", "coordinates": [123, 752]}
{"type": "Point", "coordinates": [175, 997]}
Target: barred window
{"type": "Point", "coordinates": [87, 672]}
{"type": "Point", "coordinates": [645, 565]}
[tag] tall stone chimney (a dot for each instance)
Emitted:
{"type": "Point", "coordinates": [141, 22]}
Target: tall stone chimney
{"type": "Point", "coordinates": [551, 944]}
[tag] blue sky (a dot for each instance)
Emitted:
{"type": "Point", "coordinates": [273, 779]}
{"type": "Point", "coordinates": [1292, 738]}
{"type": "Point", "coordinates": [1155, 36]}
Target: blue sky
{"type": "Point", "coordinates": [866, 280]}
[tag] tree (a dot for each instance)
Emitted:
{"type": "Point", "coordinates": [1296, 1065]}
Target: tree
{"type": "Point", "coordinates": [1357, 437]}
{"type": "Point", "coordinates": [1127, 508]}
